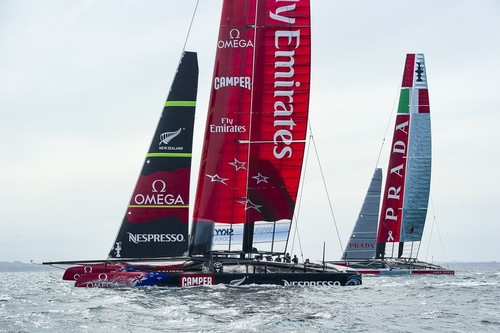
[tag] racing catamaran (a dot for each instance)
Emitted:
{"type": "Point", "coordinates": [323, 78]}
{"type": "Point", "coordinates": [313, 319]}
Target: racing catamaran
{"type": "Point", "coordinates": [251, 166]}
{"type": "Point", "coordinates": [387, 241]}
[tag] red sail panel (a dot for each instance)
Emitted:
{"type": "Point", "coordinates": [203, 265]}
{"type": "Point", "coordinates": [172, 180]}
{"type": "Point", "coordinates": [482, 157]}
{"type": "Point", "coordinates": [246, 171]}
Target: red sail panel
{"type": "Point", "coordinates": [257, 121]}
{"type": "Point", "coordinates": [154, 199]}
{"type": "Point", "coordinates": [279, 109]}
{"type": "Point", "coordinates": [408, 71]}
{"type": "Point", "coordinates": [392, 198]}
{"type": "Point", "coordinates": [224, 165]}
{"type": "Point", "coordinates": [423, 101]}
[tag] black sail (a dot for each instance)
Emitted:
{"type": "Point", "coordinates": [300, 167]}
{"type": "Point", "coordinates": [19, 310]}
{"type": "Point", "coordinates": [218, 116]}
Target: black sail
{"type": "Point", "coordinates": [156, 221]}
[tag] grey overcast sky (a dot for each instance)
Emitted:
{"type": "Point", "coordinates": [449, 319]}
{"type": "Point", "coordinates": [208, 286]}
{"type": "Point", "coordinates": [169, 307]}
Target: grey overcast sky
{"type": "Point", "coordinates": [82, 84]}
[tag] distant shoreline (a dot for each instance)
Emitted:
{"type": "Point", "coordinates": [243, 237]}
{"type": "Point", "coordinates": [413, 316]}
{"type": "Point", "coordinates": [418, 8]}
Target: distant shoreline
{"type": "Point", "coordinates": [17, 266]}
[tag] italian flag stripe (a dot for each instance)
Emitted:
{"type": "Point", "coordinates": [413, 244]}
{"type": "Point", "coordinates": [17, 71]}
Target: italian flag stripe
{"type": "Point", "coordinates": [404, 101]}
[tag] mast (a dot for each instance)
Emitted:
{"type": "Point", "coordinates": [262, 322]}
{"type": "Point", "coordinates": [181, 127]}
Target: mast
{"type": "Point", "coordinates": [156, 221]}
{"type": "Point", "coordinates": [256, 127]}
{"type": "Point", "coordinates": [406, 194]}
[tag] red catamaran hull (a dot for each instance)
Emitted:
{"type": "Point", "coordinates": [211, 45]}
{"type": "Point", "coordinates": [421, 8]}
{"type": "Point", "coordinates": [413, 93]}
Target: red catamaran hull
{"type": "Point", "coordinates": [73, 273]}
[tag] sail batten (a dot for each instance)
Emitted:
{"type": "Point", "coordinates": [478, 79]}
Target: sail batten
{"type": "Point", "coordinates": [180, 103]}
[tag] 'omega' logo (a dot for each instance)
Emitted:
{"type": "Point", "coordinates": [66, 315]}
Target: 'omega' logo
{"type": "Point", "coordinates": [234, 34]}
{"type": "Point", "coordinates": [159, 186]}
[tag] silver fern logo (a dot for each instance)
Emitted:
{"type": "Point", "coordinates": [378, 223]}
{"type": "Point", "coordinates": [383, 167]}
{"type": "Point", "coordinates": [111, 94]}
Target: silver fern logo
{"type": "Point", "coordinates": [166, 137]}
{"type": "Point", "coordinates": [238, 282]}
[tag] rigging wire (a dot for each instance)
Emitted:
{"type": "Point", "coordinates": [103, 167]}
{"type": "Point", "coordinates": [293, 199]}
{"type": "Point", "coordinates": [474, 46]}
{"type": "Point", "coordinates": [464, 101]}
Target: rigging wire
{"type": "Point", "coordinates": [326, 189]}
{"type": "Point", "coordinates": [389, 122]}
{"type": "Point", "coordinates": [190, 25]}
{"type": "Point", "coordinates": [299, 202]}
{"type": "Point", "coordinates": [296, 234]}
{"type": "Point", "coordinates": [430, 236]}
{"type": "Point", "coordinates": [187, 36]}
{"type": "Point", "coordinates": [434, 223]}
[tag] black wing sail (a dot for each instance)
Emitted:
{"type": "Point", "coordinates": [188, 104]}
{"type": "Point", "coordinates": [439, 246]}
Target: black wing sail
{"type": "Point", "coordinates": [156, 221]}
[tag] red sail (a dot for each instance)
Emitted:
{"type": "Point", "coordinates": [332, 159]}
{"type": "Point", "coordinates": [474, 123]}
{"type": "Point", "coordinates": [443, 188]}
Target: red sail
{"type": "Point", "coordinates": [256, 125]}
{"type": "Point", "coordinates": [406, 194]}
{"type": "Point", "coordinates": [389, 229]}
{"type": "Point", "coordinates": [408, 71]}
{"type": "Point", "coordinates": [392, 197]}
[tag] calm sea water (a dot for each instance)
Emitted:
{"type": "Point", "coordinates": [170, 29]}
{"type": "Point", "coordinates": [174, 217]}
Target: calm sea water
{"type": "Point", "coordinates": [466, 302]}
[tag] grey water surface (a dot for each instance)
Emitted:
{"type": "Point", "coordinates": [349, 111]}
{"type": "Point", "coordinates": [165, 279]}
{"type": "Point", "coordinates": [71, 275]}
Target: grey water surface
{"type": "Point", "coordinates": [467, 302]}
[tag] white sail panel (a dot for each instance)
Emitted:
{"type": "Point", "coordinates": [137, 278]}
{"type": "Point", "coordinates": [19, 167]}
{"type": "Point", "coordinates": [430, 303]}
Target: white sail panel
{"type": "Point", "coordinates": [418, 178]}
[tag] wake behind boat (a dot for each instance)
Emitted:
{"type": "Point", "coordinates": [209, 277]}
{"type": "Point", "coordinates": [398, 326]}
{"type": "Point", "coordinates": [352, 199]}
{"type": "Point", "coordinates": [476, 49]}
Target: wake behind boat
{"type": "Point", "coordinates": [251, 166]}
{"type": "Point", "coordinates": [392, 245]}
